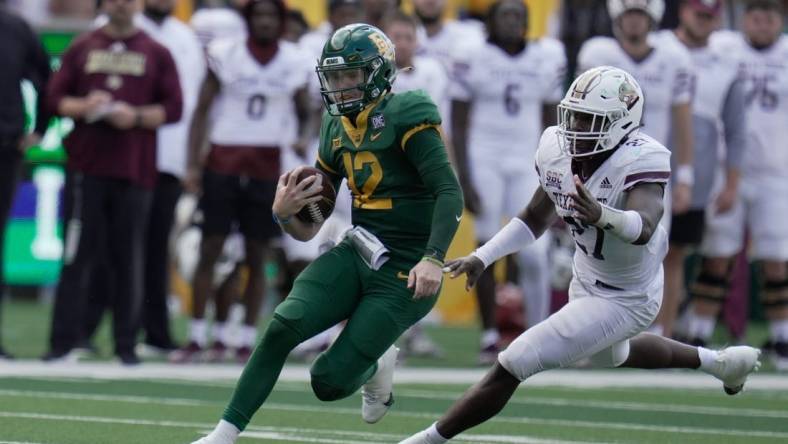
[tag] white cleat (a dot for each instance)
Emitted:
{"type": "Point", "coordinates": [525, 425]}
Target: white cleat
{"type": "Point", "coordinates": [419, 438]}
{"type": "Point", "coordinates": [376, 395]}
{"type": "Point", "coordinates": [734, 364]}
{"type": "Point", "coordinates": [212, 438]}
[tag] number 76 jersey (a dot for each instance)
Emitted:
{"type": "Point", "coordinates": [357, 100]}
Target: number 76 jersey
{"type": "Point", "coordinates": [602, 260]}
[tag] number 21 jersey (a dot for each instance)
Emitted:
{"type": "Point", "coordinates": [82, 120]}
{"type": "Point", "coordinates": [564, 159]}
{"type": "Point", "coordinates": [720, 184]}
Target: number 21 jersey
{"type": "Point", "coordinates": [601, 258]}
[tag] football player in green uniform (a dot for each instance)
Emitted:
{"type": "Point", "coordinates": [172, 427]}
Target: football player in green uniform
{"type": "Point", "coordinates": [405, 196]}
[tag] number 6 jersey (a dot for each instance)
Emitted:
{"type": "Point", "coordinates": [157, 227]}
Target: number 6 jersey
{"type": "Point", "coordinates": [601, 258]}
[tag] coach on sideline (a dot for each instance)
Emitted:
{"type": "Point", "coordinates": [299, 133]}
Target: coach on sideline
{"type": "Point", "coordinates": [119, 86]}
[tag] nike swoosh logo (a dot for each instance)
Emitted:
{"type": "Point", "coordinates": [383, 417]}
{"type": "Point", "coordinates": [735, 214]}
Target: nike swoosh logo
{"type": "Point", "coordinates": [375, 136]}
{"type": "Point", "coordinates": [401, 275]}
{"type": "Point", "coordinates": [458, 217]}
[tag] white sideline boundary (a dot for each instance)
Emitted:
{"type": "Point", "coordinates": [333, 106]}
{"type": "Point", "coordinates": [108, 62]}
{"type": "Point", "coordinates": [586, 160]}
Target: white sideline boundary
{"type": "Point", "coordinates": [403, 375]}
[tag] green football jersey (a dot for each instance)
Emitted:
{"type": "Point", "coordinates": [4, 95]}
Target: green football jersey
{"type": "Point", "coordinates": [389, 197]}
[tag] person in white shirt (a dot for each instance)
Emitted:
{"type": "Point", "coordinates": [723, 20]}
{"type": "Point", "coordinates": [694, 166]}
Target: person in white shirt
{"type": "Point", "coordinates": [762, 52]}
{"type": "Point", "coordinates": [218, 22]}
{"type": "Point", "coordinates": [442, 40]}
{"type": "Point", "coordinates": [503, 95]}
{"type": "Point", "coordinates": [716, 111]}
{"type": "Point", "coordinates": [172, 140]}
{"type": "Point", "coordinates": [665, 72]}
{"type": "Point", "coordinates": [606, 179]}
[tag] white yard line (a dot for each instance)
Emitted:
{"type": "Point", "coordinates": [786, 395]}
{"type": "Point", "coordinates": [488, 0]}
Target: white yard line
{"type": "Point", "coordinates": [284, 433]}
{"type": "Point", "coordinates": [425, 394]}
{"type": "Point", "coordinates": [409, 375]}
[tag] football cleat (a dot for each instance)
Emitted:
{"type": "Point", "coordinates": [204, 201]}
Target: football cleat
{"type": "Point", "coordinates": [734, 364]}
{"type": "Point", "coordinates": [216, 353]}
{"type": "Point", "coordinates": [489, 355]}
{"type": "Point", "coordinates": [191, 352]}
{"type": "Point", "coordinates": [376, 395]}
{"type": "Point", "coordinates": [213, 439]}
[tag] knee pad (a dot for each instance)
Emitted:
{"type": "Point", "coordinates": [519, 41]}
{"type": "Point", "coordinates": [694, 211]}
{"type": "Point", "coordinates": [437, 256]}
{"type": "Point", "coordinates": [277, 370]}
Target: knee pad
{"type": "Point", "coordinates": [774, 294]}
{"type": "Point", "coordinates": [709, 288]}
{"type": "Point", "coordinates": [325, 383]}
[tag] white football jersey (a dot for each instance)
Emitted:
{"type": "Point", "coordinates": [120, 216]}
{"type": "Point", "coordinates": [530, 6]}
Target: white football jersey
{"type": "Point", "coordinates": [217, 23]}
{"type": "Point", "coordinates": [255, 106]}
{"type": "Point", "coordinates": [426, 74]}
{"type": "Point", "coordinates": [765, 76]}
{"type": "Point", "coordinates": [602, 260]}
{"type": "Point", "coordinates": [506, 94]}
{"type": "Point", "coordinates": [455, 37]}
{"type": "Point", "coordinates": [665, 77]}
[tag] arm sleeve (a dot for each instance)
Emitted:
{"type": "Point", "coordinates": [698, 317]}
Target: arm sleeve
{"type": "Point", "coordinates": [169, 88]}
{"type": "Point", "coordinates": [38, 71]}
{"type": "Point", "coordinates": [735, 125]}
{"type": "Point", "coordinates": [425, 149]}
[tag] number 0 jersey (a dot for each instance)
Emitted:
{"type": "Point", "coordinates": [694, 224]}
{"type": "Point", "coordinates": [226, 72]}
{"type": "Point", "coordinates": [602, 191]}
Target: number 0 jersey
{"type": "Point", "coordinates": [255, 105]}
{"type": "Point", "coordinates": [601, 258]}
{"type": "Point", "coordinates": [385, 173]}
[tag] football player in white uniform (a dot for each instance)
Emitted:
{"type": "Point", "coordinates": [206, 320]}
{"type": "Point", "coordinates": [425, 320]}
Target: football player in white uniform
{"type": "Point", "coordinates": [503, 95]}
{"type": "Point", "coordinates": [254, 88]}
{"type": "Point", "coordinates": [762, 206]}
{"type": "Point", "coordinates": [717, 104]}
{"type": "Point", "coordinates": [442, 40]}
{"type": "Point", "coordinates": [606, 180]}
{"type": "Point", "coordinates": [665, 72]}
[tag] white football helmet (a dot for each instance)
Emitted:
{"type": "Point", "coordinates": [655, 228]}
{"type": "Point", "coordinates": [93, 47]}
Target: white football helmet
{"type": "Point", "coordinates": [603, 105]}
{"type": "Point", "coordinates": [654, 8]}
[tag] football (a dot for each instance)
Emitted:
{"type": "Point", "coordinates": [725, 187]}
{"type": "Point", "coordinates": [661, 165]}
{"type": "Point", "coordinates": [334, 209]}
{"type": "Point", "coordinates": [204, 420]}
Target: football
{"type": "Point", "coordinates": [319, 211]}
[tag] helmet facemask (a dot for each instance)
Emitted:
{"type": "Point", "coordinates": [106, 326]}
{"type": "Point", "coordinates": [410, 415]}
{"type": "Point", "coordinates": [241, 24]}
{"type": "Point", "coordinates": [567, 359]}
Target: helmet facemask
{"type": "Point", "coordinates": [585, 132]}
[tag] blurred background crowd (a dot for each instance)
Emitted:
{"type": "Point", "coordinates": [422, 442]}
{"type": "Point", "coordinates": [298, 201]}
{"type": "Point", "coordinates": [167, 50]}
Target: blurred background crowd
{"type": "Point", "coordinates": [136, 181]}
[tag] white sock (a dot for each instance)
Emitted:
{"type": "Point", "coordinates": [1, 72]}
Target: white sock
{"type": "Point", "coordinates": [701, 327]}
{"type": "Point", "coordinates": [708, 359]}
{"type": "Point", "coordinates": [433, 437]}
{"type": "Point", "coordinates": [198, 332]}
{"type": "Point", "coordinates": [226, 431]}
{"type": "Point", "coordinates": [489, 337]}
{"type": "Point", "coordinates": [248, 336]}
{"type": "Point", "coordinates": [778, 330]}
{"type": "Point", "coordinates": [218, 332]}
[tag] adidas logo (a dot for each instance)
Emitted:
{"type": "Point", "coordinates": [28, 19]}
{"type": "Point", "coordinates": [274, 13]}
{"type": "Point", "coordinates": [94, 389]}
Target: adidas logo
{"type": "Point", "coordinates": [606, 183]}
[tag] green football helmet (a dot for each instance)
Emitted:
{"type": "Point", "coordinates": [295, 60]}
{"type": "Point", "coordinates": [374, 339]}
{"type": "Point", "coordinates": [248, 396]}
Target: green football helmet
{"type": "Point", "coordinates": [356, 68]}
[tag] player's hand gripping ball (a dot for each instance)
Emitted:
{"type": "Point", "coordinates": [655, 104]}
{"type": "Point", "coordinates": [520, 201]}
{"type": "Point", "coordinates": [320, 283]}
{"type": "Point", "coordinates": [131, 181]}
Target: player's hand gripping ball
{"type": "Point", "coordinates": [317, 212]}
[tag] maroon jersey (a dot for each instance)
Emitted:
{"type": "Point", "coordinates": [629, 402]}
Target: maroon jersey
{"type": "Point", "coordinates": [136, 70]}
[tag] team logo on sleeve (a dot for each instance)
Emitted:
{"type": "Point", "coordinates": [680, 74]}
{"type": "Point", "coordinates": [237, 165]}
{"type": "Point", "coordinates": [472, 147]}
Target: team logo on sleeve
{"type": "Point", "coordinates": [336, 143]}
{"type": "Point", "coordinates": [378, 121]}
{"type": "Point", "coordinates": [552, 179]}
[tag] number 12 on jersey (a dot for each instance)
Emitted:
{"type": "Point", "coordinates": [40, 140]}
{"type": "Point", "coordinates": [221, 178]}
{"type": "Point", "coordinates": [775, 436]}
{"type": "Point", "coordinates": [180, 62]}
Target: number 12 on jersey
{"type": "Point", "coordinates": [578, 228]}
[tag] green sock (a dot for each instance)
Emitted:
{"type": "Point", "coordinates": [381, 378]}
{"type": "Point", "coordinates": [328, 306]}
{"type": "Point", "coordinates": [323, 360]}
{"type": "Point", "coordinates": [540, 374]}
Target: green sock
{"type": "Point", "coordinates": [261, 373]}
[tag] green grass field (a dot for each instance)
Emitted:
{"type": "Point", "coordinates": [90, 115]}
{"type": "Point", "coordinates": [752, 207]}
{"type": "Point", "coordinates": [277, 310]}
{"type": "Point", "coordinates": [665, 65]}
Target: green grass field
{"type": "Point", "coordinates": [131, 411]}
{"type": "Point", "coordinates": [55, 409]}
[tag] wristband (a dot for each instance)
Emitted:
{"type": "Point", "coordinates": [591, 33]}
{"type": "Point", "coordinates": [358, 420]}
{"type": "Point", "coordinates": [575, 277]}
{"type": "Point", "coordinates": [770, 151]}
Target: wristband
{"type": "Point", "coordinates": [433, 260]}
{"type": "Point", "coordinates": [283, 220]}
{"type": "Point", "coordinates": [626, 225]}
{"type": "Point", "coordinates": [685, 175]}
{"type": "Point", "coordinates": [515, 236]}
